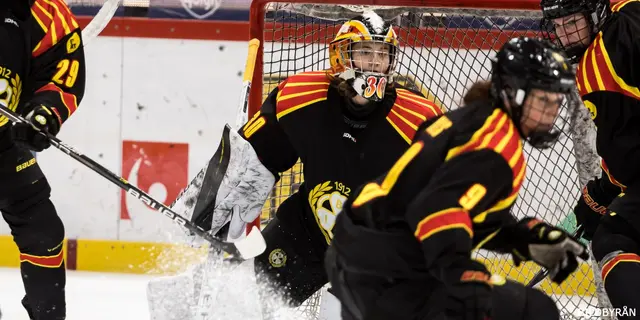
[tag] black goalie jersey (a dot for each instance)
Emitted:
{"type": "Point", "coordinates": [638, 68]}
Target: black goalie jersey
{"type": "Point", "coordinates": [608, 77]}
{"type": "Point", "coordinates": [302, 119]}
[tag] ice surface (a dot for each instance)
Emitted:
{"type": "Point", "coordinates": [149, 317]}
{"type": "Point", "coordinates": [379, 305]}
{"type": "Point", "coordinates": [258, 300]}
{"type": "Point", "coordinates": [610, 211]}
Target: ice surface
{"type": "Point", "coordinates": [108, 296]}
{"type": "Point", "coordinates": [90, 295]}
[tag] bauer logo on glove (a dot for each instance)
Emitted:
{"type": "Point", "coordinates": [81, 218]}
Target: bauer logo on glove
{"type": "Point", "coordinates": [39, 119]}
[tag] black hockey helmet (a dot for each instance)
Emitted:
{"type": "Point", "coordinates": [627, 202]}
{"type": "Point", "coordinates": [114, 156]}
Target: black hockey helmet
{"type": "Point", "coordinates": [595, 13]}
{"type": "Point", "coordinates": [524, 64]}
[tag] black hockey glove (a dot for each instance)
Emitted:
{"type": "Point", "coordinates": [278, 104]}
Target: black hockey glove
{"type": "Point", "coordinates": [28, 135]}
{"type": "Point", "coordinates": [592, 205]}
{"type": "Point", "coordinates": [469, 292]}
{"type": "Point", "coordinates": [548, 246]}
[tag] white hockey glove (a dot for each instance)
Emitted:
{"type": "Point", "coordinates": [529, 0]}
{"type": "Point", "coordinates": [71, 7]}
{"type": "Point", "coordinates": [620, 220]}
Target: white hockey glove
{"type": "Point", "coordinates": [550, 247]}
{"type": "Point", "coordinates": [230, 190]}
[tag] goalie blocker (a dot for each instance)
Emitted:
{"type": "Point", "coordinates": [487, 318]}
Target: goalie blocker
{"type": "Point", "coordinates": [229, 192]}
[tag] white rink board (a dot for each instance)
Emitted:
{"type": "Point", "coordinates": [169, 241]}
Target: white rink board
{"type": "Point", "coordinates": [183, 92]}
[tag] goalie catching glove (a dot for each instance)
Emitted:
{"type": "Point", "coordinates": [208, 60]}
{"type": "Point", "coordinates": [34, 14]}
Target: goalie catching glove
{"type": "Point", "coordinates": [229, 191]}
{"type": "Point", "coordinates": [27, 134]}
{"type": "Point", "coordinates": [548, 246]}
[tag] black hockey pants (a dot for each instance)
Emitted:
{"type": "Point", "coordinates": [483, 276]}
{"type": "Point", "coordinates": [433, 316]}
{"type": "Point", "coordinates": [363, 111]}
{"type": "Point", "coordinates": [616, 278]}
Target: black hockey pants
{"type": "Point", "coordinates": [616, 247]}
{"type": "Point", "coordinates": [36, 228]}
{"type": "Point", "coordinates": [371, 297]}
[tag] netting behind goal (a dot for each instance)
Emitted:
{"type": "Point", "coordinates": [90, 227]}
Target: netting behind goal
{"type": "Point", "coordinates": [443, 51]}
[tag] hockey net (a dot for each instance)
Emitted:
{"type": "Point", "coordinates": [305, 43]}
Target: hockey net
{"type": "Point", "coordinates": [445, 47]}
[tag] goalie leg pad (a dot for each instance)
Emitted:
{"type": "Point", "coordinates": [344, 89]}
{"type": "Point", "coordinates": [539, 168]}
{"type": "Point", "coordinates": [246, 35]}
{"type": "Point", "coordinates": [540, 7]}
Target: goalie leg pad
{"type": "Point", "coordinates": [171, 298]}
{"type": "Point", "coordinates": [230, 189]}
{"type": "Point", "coordinates": [329, 306]}
{"type": "Point", "coordinates": [289, 266]}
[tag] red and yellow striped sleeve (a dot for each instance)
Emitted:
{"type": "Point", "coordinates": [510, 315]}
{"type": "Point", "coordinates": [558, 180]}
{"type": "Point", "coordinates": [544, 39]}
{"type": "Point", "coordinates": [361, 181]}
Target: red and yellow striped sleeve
{"type": "Point", "coordinates": [447, 219]}
{"type": "Point", "coordinates": [409, 111]}
{"type": "Point", "coordinates": [301, 90]}
{"type": "Point", "coordinates": [55, 20]}
{"type": "Point", "coordinates": [596, 72]}
{"type": "Point", "coordinates": [498, 134]}
{"type": "Point", "coordinates": [58, 62]}
{"type": "Point", "coordinates": [442, 214]}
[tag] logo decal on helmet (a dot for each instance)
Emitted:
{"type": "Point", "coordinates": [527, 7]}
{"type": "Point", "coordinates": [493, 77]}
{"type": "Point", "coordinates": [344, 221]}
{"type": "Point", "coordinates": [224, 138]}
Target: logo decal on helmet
{"type": "Point", "coordinates": [375, 85]}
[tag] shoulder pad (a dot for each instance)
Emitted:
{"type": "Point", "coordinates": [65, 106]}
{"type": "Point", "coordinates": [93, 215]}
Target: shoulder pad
{"type": "Point", "coordinates": [605, 64]}
{"type": "Point", "coordinates": [301, 90]}
{"type": "Point", "coordinates": [618, 7]}
{"type": "Point", "coordinates": [409, 111]}
{"type": "Point", "coordinates": [497, 133]}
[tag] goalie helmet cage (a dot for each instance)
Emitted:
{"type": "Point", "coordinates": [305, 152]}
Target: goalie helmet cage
{"type": "Point", "coordinates": [446, 46]}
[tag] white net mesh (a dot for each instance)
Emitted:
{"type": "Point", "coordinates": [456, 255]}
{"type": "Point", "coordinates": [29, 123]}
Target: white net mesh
{"type": "Point", "coordinates": [444, 51]}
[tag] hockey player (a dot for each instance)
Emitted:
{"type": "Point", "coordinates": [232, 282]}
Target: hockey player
{"type": "Point", "coordinates": [402, 246]}
{"type": "Point", "coordinates": [604, 43]}
{"type": "Point", "coordinates": [42, 78]}
{"type": "Point", "coordinates": [347, 125]}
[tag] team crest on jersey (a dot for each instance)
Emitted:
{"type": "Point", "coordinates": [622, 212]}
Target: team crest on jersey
{"type": "Point", "coordinates": [200, 9]}
{"type": "Point", "coordinates": [10, 91]}
{"type": "Point", "coordinates": [327, 200]}
{"type": "Point", "coordinates": [593, 111]}
{"type": "Point", "coordinates": [277, 258]}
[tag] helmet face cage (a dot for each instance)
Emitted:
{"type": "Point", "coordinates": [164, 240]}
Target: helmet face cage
{"type": "Point", "coordinates": [538, 85]}
{"type": "Point", "coordinates": [365, 55]}
{"type": "Point", "coordinates": [537, 110]}
{"type": "Point", "coordinates": [573, 24]}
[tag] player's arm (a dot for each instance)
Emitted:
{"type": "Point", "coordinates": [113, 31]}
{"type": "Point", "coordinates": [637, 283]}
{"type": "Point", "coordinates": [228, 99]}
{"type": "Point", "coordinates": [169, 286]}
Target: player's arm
{"type": "Point", "coordinates": [592, 204]}
{"type": "Point", "coordinates": [268, 138]}
{"type": "Point", "coordinates": [58, 62]}
{"type": "Point", "coordinates": [441, 216]}
{"type": "Point", "coordinates": [57, 73]}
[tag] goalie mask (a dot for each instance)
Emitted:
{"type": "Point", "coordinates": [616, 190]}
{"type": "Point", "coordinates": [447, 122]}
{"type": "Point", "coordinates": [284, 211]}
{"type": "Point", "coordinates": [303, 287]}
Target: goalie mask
{"type": "Point", "coordinates": [536, 80]}
{"type": "Point", "coordinates": [573, 24]}
{"type": "Point", "coordinates": [364, 53]}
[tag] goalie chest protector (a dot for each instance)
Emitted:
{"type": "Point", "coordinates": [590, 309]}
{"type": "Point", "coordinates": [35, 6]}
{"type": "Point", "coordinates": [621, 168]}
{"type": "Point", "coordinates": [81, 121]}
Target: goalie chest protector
{"type": "Point", "coordinates": [335, 162]}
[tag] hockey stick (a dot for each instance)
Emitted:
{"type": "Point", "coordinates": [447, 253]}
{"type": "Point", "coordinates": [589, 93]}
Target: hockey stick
{"type": "Point", "coordinates": [243, 113]}
{"type": "Point", "coordinates": [99, 21]}
{"type": "Point", "coordinates": [544, 272]}
{"type": "Point", "coordinates": [247, 248]}
{"type": "Point", "coordinates": [206, 292]}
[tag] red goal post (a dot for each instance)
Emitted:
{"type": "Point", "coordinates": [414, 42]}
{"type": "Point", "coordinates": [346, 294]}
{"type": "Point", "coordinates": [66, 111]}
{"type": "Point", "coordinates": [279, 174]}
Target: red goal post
{"type": "Point", "coordinates": [257, 25]}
